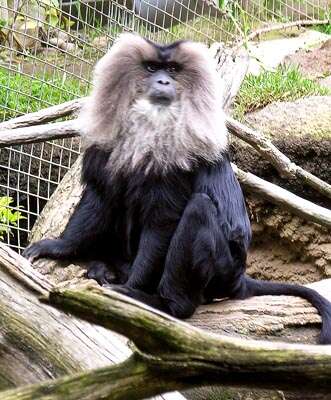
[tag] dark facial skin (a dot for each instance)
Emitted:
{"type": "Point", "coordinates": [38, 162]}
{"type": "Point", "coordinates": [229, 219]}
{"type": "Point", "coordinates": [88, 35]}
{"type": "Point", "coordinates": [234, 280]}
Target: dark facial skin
{"type": "Point", "coordinates": [162, 83]}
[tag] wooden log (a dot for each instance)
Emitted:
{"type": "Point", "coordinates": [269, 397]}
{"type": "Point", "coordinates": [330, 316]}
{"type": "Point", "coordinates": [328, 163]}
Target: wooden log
{"type": "Point", "coordinates": [38, 133]}
{"type": "Point", "coordinates": [164, 344]}
{"type": "Point", "coordinates": [284, 198]}
{"type": "Point", "coordinates": [44, 115]}
{"type": "Point", "coordinates": [38, 342]}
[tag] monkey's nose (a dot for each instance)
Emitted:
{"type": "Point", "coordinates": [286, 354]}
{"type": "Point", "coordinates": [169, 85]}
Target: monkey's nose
{"type": "Point", "coordinates": [163, 82]}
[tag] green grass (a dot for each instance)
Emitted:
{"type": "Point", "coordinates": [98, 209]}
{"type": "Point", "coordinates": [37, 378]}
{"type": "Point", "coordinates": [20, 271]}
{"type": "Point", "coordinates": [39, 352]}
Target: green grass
{"type": "Point", "coordinates": [284, 84]}
{"type": "Point", "coordinates": [20, 94]}
{"type": "Point", "coordinates": [324, 28]}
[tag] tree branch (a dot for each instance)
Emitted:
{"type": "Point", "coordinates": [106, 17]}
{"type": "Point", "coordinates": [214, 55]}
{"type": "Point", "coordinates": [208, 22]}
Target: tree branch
{"type": "Point", "coordinates": [280, 27]}
{"type": "Point", "coordinates": [279, 160]}
{"type": "Point", "coordinates": [166, 344]}
{"type": "Point", "coordinates": [131, 379]}
{"type": "Point", "coordinates": [38, 133]}
{"type": "Point", "coordinates": [169, 354]}
{"type": "Point", "coordinates": [284, 198]}
{"type": "Point", "coordinates": [44, 115]}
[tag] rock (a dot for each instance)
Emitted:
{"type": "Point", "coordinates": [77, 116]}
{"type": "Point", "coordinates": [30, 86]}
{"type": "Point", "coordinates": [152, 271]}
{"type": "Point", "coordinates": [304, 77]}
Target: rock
{"type": "Point", "coordinates": [270, 53]}
{"type": "Point", "coordinates": [315, 63]}
{"type": "Point", "coordinates": [58, 42]}
{"type": "Point", "coordinates": [306, 116]}
{"type": "Point", "coordinates": [63, 36]}
{"type": "Point", "coordinates": [64, 46]}
{"type": "Point", "coordinates": [101, 42]}
{"type": "Point", "coordinates": [71, 48]}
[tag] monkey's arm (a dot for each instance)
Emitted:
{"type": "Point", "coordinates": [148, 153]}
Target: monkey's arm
{"type": "Point", "coordinates": [88, 220]}
{"type": "Point", "coordinates": [80, 235]}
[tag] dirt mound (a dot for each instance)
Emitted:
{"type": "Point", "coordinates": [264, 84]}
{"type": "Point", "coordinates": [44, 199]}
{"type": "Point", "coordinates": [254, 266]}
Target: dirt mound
{"type": "Point", "coordinates": [315, 63]}
{"type": "Point", "coordinates": [285, 247]}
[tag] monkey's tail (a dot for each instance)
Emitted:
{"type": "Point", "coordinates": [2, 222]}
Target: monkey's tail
{"type": "Point", "coordinates": [253, 287]}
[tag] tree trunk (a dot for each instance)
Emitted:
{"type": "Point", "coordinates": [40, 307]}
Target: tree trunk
{"type": "Point", "coordinates": [38, 342]}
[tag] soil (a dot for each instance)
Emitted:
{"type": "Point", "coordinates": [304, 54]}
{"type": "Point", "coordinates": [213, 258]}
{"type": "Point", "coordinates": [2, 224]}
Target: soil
{"type": "Point", "coordinates": [311, 154]}
{"type": "Point", "coordinates": [315, 63]}
{"type": "Point", "coordinates": [285, 247]}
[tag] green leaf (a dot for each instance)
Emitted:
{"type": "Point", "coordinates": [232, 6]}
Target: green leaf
{"type": "Point", "coordinates": [8, 218]}
{"type": "Point", "coordinates": [53, 20]}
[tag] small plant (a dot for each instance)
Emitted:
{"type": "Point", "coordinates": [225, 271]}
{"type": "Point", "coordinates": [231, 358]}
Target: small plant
{"type": "Point", "coordinates": [8, 218]}
{"type": "Point", "coordinates": [324, 28]}
{"type": "Point", "coordinates": [284, 84]}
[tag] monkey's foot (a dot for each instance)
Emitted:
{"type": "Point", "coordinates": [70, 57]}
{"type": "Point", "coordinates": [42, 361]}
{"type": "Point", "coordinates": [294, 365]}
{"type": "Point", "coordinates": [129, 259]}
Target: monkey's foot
{"type": "Point", "coordinates": [152, 300]}
{"type": "Point", "coordinates": [100, 272]}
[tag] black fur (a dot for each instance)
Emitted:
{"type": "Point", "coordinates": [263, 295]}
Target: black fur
{"type": "Point", "coordinates": [173, 241]}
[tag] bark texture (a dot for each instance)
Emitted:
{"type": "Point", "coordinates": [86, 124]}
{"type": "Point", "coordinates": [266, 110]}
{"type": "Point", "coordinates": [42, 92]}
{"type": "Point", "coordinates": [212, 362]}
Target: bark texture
{"type": "Point", "coordinates": [162, 344]}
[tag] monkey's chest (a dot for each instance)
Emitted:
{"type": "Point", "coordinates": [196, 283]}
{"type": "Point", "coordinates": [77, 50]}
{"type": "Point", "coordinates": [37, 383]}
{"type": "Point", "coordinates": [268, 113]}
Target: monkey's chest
{"type": "Point", "coordinates": [150, 202]}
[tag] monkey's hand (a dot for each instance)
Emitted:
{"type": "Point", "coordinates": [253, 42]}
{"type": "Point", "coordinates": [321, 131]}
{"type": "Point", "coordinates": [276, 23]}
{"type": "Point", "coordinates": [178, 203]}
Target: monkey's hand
{"type": "Point", "coordinates": [48, 248]}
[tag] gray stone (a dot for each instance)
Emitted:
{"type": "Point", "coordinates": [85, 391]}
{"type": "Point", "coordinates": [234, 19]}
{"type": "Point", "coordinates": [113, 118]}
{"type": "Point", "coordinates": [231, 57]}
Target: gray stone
{"type": "Point", "coordinates": [307, 116]}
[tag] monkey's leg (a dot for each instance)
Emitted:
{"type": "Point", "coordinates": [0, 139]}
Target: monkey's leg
{"type": "Point", "coordinates": [189, 262]}
{"type": "Point", "coordinates": [148, 265]}
{"type": "Point", "coordinates": [80, 235]}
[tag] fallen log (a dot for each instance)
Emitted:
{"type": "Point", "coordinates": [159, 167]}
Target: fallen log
{"type": "Point", "coordinates": [49, 340]}
{"type": "Point", "coordinates": [37, 342]}
{"type": "Point", "coordinates": [284, 198]}
{"type": "Point", "coordinates": [42, 116]}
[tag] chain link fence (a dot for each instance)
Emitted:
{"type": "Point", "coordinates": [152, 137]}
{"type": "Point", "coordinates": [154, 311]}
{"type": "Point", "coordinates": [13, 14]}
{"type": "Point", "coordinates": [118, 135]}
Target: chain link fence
{"type": "Point", "coordinates": [47, 52]}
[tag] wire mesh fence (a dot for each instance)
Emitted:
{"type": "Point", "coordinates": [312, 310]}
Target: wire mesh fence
{"type": "Point", "coordinates": [47, 52]}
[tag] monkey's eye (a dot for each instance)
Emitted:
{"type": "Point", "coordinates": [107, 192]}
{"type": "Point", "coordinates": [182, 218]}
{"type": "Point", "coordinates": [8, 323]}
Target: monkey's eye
{"type": "Point", "coordinates": [151, 67]}
{"type": "Point", "coordinates": [173, 68]}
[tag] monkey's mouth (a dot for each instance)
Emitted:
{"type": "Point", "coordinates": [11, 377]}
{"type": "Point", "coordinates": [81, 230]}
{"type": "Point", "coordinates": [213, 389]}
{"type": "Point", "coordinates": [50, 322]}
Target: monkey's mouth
{"type": "Point", "coordinates": [161, 99]}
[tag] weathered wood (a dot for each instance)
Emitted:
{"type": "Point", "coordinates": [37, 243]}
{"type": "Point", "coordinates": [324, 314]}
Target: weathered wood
{"type": "Point", "coordinates": [132, 379]}
{"type": "Point", "coordinates": [56, 337]}
{"type": "Point", "coordinates": [44, 115]}
{"type": "Point", "coordinates": [284, 198]}
{"type": "Point", "coordinates": [38, 133]}
{"type": "Point", "coordinates": [38, 342]}
{"type": "Point", "coordinates": [279, 160]}
{"type": "Point", "coordinates": [232, 68]}
{"type": "Point", "coordinates": [193, 356]}
{"type": "Point", "coordinates": [280, 27]}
